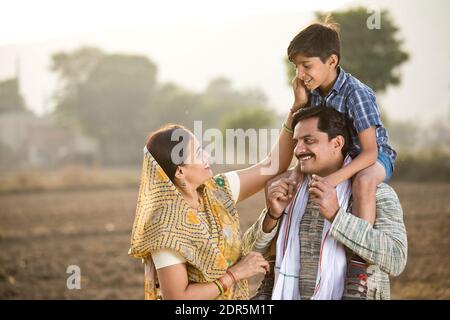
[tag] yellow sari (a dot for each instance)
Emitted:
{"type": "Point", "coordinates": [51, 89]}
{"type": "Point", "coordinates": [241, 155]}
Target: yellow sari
{"type": "Point", "coordinates": [208, 239]}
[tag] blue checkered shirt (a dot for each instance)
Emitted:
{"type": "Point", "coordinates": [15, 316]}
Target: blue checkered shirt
{"type": "Point", "coordinates": [357, 101]}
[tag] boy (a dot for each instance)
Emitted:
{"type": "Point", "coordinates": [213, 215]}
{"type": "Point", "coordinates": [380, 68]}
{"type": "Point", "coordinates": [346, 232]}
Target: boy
{"type": "Point", "coordinates": [315, 52]}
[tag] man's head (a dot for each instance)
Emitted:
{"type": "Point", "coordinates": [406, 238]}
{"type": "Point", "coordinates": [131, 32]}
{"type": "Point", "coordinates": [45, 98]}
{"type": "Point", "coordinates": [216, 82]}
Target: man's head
{"type": "Point", "coordinates": [321, 138]}
{"type": "Point", "coordinates": [315, 52]}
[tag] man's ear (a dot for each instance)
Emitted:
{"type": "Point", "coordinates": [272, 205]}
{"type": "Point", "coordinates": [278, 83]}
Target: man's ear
{"type": "Point", "coordinates": [338, 143]}
{"type": "Point", "coordinates": [333, 60]}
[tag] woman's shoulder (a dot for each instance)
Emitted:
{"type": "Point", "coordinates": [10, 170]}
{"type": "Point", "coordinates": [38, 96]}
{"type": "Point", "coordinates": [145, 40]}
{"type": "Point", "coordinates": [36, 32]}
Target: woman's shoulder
{"type": "Point", "coordinates": [225, 188]}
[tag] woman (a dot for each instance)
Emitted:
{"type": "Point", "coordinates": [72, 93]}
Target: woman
{"type": "Point", "coordinates": [186, 228]}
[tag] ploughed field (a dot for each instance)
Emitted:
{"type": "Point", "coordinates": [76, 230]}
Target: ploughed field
{"type": "Point", "coordinates": [42, 233]}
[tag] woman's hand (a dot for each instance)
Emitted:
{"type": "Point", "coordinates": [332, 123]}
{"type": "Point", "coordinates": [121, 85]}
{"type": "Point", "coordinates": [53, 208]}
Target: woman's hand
{"type": "Point", "coordinates": [250, 265]}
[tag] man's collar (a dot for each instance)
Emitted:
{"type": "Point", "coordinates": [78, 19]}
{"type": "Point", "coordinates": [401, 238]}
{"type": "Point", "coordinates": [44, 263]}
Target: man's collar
{"type": "Point", "coordinates": [342, 76]}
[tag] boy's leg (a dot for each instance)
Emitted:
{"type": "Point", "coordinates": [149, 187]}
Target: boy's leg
{"type": "Point", "coordinates": [364, 187]}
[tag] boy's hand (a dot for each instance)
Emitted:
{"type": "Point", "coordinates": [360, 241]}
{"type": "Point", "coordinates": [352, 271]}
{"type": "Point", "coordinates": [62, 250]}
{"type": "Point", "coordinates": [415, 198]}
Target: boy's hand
{"type": "Point", "coordinates": [331, 180]}
{"type": "Point", "coordinates": [300, 94]}
{"type": "Point", "coordinates": [325, 196]}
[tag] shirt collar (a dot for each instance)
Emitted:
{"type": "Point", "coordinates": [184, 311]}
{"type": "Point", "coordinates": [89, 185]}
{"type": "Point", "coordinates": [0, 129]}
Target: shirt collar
{"type": "Point", "coordinates": [342, 76]}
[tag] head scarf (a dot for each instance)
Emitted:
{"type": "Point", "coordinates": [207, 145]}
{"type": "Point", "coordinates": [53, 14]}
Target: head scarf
{"type": "Point", "coordinates": [209, 241]}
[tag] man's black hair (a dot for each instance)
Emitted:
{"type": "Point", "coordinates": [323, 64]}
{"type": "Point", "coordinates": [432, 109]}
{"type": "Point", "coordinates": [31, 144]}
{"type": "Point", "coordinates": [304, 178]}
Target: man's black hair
{"type": "Point", "coordinates": [331, 121]}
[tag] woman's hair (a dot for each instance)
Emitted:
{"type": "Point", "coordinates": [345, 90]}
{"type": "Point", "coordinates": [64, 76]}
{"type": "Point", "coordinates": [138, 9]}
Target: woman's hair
{"type": "Point", "coordinates": [161, 144]}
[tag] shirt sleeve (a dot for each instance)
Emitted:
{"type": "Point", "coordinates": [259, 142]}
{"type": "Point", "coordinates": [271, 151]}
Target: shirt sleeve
{"type": "Point", "coordinates": [166, 257]}
{"type": "Point", "coordinates": [255, 239]}
{"type": "Point", "coordinates": [264, 239]}
{"type": "Point", "coordinates": [234, 183]}
{"type": "Point", "coordinates": [385, 243]}
{"type": "Point", "coordinates": [363, 110]}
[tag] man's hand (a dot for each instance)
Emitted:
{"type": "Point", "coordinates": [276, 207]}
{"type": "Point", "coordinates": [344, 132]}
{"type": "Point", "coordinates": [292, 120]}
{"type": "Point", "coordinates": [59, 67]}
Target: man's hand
{"type": "Point", "coordinates": [278, 195]}
{"type": "Point", "coordinates": [300, 94]}
{"type": "Point", "coordinates": [324, 195]}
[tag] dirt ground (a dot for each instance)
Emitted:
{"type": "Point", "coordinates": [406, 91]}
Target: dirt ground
{"type": "Point", "coordinates": [42, 233]}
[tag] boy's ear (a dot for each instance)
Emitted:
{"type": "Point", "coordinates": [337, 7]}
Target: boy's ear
{"type": "Point", "coordinates": [333, 60]}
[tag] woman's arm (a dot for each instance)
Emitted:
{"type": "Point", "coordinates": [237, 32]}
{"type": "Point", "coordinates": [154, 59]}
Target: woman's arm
{"type": "Point", "coordinates": [175, 285]}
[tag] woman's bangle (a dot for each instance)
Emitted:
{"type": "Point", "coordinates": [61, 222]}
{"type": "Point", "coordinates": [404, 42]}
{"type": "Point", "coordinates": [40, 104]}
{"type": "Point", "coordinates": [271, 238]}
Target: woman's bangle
{"type": "Point", "coordinates": [271, 216]}
{"type": "Point", "coordinates": [231, 274]}
{"type": "Point", "coordinates": [224, 286]}
{"type": "Point", "coordinates": [219, 286]}
{"type": "Point", "coordinates": [287, 129]}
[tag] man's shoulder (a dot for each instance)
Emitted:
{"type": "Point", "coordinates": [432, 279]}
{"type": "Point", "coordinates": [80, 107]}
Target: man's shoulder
{"type": "Point", "coordinates": [385, 194]}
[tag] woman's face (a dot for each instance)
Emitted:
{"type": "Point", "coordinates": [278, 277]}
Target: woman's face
{"type": "Point", "coordinates": [195, 169]}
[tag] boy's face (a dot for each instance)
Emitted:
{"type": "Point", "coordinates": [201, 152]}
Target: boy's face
{"type": "Point", "coordinates": [313, 72]}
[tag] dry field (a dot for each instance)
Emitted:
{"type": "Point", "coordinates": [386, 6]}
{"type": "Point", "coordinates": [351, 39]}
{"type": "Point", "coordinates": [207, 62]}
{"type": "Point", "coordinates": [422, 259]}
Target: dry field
{"type": "Point", "coordinates": [42, 233]}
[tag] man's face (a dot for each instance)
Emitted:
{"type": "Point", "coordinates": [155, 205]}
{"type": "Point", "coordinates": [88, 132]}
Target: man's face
{"type": "Point", "coordinates": [316, 154]}
{"type": "Point", "coordinates": [312, 71]}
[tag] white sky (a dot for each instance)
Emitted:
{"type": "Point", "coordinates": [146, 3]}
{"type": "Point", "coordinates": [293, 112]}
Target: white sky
{"type": "Point", "coordinates": [194, 41]}
{"type": "Point", "coordinates": [24, 21]}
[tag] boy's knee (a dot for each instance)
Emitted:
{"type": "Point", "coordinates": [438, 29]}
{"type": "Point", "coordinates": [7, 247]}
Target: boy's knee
{"type": "Point", "coordinates": [364, 184]}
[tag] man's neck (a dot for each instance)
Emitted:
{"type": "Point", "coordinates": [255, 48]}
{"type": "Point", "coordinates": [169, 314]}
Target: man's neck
{"type": "Point", "coordinates": [332, 169]}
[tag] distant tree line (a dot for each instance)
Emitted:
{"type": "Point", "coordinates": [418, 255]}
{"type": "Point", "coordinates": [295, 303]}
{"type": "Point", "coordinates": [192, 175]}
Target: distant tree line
{"type": "Point", "coordinates": [117, 99]}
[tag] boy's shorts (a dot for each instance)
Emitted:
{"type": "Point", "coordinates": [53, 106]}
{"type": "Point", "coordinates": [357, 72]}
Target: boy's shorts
{"type": "Point", "coordinates": [385, 161]}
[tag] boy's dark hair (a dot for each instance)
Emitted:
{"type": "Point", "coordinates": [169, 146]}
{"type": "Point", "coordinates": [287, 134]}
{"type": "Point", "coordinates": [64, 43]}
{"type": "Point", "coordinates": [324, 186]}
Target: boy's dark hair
{"type": "Point", "coordinates": [317, 40]}
{"type": "Point", "coordinates": [331, 121]}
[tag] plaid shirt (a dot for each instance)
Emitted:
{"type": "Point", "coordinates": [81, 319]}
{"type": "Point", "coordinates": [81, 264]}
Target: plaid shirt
{"type": "Point", "coordinates": [357, 101]}
{"type": "Point", "coordinates": [383, 246]}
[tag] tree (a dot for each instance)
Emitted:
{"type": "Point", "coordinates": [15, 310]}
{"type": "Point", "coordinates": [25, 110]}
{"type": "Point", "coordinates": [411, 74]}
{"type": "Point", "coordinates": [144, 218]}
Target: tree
{"type": "Point", "coordinates": [10, 98]}
{"type": "Point", "coordinates": [116, 100]}
{"type": "Point", "coordinates": [371, 55]}
{"type": "Point", "coordinates": [249, 118]}
{"type": "Point", "coordinates": [72, 69]}
{"type": "Point", "coordinates": [220, 101]}
{"type": "Point", "coordinates": [115, 105]}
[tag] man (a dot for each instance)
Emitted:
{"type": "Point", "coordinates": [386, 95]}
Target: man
{"type": "Point", "coordinates": [317, 234]}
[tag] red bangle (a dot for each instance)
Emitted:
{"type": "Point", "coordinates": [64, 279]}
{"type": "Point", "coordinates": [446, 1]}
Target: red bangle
{"type": "Point", "coordinates": [232, 275]}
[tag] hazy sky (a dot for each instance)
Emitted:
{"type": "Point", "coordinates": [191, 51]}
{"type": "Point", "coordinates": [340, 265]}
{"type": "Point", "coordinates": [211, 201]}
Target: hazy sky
{"type": "Point", "coordinates": [195, 41]}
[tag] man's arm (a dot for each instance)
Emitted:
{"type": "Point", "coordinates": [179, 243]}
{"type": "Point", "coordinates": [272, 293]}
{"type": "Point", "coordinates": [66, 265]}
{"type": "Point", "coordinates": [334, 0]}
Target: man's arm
{"type": "Point", "coordinates": [385, 243]}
